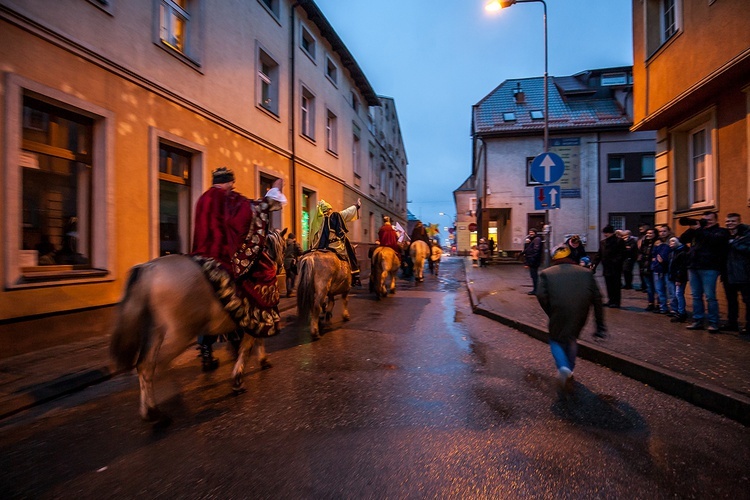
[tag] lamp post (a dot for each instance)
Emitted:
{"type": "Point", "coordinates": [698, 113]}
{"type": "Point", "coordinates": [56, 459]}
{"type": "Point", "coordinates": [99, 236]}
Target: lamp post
{"type": "Point", "coordinates": [494, 6]}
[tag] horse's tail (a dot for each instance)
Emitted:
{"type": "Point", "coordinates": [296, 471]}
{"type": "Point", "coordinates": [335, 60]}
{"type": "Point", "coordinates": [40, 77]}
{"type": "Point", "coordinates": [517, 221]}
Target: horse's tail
{"type": "Point", "coordinates": [306, 288]}
{"type": "Point", "coordinates": [131, 327]}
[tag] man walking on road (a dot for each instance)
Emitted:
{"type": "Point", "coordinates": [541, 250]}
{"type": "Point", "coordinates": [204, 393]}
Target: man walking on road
{"type": "Point", "coordinates": [566, 291]}
{"type": "Point", "coordinates": [610, 256]}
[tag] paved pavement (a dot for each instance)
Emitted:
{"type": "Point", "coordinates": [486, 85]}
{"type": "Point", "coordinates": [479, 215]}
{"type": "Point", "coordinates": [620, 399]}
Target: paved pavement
{"type": "Point", "coordinates": [712, 371]}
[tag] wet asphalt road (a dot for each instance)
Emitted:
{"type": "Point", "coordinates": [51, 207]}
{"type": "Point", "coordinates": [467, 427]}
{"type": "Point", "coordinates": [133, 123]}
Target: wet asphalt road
{"type": "Point", "coordinates": [414, 398]}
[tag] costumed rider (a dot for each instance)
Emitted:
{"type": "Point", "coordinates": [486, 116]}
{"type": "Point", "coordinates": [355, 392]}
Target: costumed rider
{"type": "Point", "coordinates": [328, 232]}
{"type": "Point", "coordinates": [229, 238]}
{"type": "Point", "coordinates": [388, 236]}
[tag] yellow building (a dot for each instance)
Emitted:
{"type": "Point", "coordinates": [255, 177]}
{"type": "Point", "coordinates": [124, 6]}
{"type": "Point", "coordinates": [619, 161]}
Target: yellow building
{"type": "Point", "coordinates": [115, 112]}
{"type": "Point", "coordinates": [692, 85]}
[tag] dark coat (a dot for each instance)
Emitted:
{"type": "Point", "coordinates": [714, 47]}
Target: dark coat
{"type": "Point", "coordinates": [611, 255]}
{"type": "Point", "coordinates": [645, 245]}
{"type": "Point", "coordinates": [566, 292]}
{"type": "Point", "coordinates": [708, 247]}
{"type": "Point", "coordinates": [532, 252]}
{"type": "Point", "coordinates": [738, 256]}
{"type": "Point", "coordinates": [677, 271]}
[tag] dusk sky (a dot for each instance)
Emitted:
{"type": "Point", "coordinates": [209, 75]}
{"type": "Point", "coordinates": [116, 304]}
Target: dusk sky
{"type": "Point", "coordinates": [437, 59]}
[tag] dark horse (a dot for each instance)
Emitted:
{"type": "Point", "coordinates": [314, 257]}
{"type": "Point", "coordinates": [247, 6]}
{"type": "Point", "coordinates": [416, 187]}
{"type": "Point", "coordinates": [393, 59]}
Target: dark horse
{"type": "Point", "coordinates": [168, 302]}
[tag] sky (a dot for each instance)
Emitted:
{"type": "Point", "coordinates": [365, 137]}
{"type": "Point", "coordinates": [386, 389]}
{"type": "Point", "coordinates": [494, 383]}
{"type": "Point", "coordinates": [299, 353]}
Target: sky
{"type": "Point", "coordinates": [438, 58]}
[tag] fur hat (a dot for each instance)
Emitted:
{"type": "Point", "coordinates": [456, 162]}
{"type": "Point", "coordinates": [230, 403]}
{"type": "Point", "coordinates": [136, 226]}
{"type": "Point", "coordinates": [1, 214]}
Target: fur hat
{"type": "Point", "coordinates": [222, 175]}
{"type": "Point", "coordinates": [561, 253]}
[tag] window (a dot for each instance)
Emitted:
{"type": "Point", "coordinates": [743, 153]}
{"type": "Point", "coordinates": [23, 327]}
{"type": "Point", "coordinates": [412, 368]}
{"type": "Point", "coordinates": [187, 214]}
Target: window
{"type": "Point", "coordinates": [332, 72]}
{"type": "Point", "coordinates": [307, 117]}
{"type": "Point", "coordinates": [615, 168]}
{"type": "Point", "coordinates": [57, 196]}
{"type": "Point", "coordinates": [509, 117]}
{"type": "Point", "coordinates": [331, 131]}
{"type": "Point", "coordinates": [371, 165]}
{"type": "Point", "coordinates": [355, 103]}
{"type": "Point", "coordinates": [529, 179]}
{"type": "Point", "coordinates": [308, 205]}
{"type": "Point", "coordinates": [268, 83]}
{"type": "Point", "coordinates": [272, 6]}
{"type": "Point", "coordinates": [174, 19]}
{"type": "Point", "coordinates": [648, 167]}
{"type": "Point", "coordinates": [698, 158]}
{"type": "Point", "coordinates": [265, 182]}
{"type": "Point", "coordinates": [307, 42]}
{"type": "Point", "coordinates": [536, 114]}
{"type": "Point", "coordinates": [106, 5]}
{"type": "Point", "coordinates": [382, 179]}
{"type": "Point", "coordinates": [619, 78]}
{"type": "Point", "coordinates": [174, 199]}
{"type": "Point", "coordinates": [356, 151]}
{"type": "Point", "coordinates": [663, 22]}
{"type": "Point", "coordinates": [617, 221]}
{"type": "Point", "coordinates": [390, 186]}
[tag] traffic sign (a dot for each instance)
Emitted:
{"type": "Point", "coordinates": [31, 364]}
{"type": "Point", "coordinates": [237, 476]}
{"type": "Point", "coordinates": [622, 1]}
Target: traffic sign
{"type": "Point", "coordinates": [547, 168]}
{"type": "Point", "coordinates": [546, 197]}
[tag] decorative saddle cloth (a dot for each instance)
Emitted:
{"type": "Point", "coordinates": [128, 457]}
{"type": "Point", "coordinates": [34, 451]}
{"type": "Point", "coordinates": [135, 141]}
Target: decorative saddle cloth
{"type": "Point", "coordinates": [251, 301]}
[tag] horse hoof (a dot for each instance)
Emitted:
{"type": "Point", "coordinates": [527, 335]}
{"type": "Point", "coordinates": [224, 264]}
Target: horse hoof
{"type": "Point", "coordinates": [346, 317]}
{"type": "Point", "coordinates": [236, 391]}
{"type": "Point", "coordinates": [314, 336]}
{"type": "Point", "coordinates": [265, 364]}
{"type": "Point", "coordinates": [239, 385]}
{"type": "Point", "coordinates": [152, 415]}
{"type": "Point", "coordinates": [329, 316]}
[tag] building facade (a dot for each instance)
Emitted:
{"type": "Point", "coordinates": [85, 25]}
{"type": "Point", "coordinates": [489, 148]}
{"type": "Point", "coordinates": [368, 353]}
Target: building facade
{"type": "Point", "coordinates": [465, 199]}
{"type": "Point", "coordinates": [608, 176]}
{"type": "Point", "coordinates": [114, 114]}
{"type": "Point", "coordinates": [692, 86]}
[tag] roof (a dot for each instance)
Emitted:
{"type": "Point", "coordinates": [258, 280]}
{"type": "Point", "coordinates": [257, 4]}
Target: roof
{"type": "Point", "coordinates": [575, 102]}
{"type": "Point", "coordinates": [470, 184]}
{"type": "Point", "coordinates": [347, 59]}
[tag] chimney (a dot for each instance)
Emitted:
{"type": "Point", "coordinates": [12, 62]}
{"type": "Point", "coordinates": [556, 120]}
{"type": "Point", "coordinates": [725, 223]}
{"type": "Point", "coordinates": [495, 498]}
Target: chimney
{"type": "Point", "coordinates": [518, 94]}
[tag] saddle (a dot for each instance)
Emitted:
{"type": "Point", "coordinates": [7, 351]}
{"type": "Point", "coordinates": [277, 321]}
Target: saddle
{"type": "Point", "coordinates": [255, 309]}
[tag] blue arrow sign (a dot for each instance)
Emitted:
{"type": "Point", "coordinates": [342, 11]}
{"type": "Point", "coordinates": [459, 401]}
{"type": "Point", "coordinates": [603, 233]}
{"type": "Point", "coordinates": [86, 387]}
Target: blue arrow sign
{"type": "Point", "coordinates": [546, 197]}
{"type": "Point", "coordinates": [547, 168]}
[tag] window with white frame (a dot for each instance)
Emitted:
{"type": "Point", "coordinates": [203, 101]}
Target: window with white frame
{"type": "Point", "coordinates": [356, 150]}
{"type": "Point", "coordinates": [107, 6]}
{"type": "Point", "coordinates": [265, 182]}
{"type": "Point", "coordinates": [648, 167]}
{"type": "Point", "coordinates": [699, 164]}
{"type": "Point", "coordinates": [662, 22]}
{"type": "Point", "coordinates": [307, 113]}
{"type": "Point", "coordinates": [617, 221]}
{"type": "Point", "coordinates": [174, 19]}
{"type": "Point", "coordinates": [355, 103]}
{"type": "Point", "coordinates": [307, 42]}
{"type": "Point", "coordinates": [332, 72]}
{"type": "Point", "coordinates": [372, 166]}
{"type": "Point", "coordinates": [268, 82]}
{"type": "Point", "coordinates": [174, 199]}
{"type": "Point", "coordinates": [383, 179]}
{"type": "Point", "coordinates": [331, 131]}
{"type": "Point", "coordinates": [56, 225]}
{"type": "Point", "coordinates": [668, 15]}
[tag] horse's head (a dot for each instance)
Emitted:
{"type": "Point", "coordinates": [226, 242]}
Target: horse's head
{"type": "Point", "coordinates": [275, 246]}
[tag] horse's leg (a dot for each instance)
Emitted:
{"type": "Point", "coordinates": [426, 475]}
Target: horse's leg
{"type": "Point", "coordinates": [318, 304]}
{"type": "Point", "coordinates": [329, 308]}
{"type": "Point", "coordinates": [345, 303]}
{"type": "Point", "coordinates": [393, 282]}
{"type": "Point", "coordinates": [146, 369]}
{"type": "Point", "coordinates": [260, 348]}
{"type": "Point", "coordinates": [238, 383]}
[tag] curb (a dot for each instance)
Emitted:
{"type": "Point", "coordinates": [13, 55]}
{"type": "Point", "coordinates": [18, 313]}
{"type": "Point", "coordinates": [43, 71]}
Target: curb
{"type": "Point", "coordinates": [707, 396]}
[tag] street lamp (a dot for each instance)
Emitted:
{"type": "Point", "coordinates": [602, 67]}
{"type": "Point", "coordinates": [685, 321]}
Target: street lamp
{"type": "Point", "coordinates": [494, 6]}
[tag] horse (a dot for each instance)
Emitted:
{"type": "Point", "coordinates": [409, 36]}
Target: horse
{"type": "Point", "coordinates": [385, 265]}
{"type": "Point", "coordinates": [322, 276]}
{"type": "Point", "coordinates": [419, 251]}
{"type": "Point", "coordinates": [168, 302]}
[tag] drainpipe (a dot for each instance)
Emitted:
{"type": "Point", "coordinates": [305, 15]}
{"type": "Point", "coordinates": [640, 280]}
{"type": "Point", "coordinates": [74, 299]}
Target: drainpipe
{"type": "Point", "coordinates": [292, 122]}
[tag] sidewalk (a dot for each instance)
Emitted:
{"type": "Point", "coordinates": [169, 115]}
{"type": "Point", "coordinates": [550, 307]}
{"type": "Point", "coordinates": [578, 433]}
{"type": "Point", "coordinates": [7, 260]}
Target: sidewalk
{"type": "Point", "coordinates": [711, 371]}
{"type": "Point", "coordinates": [708, 370]}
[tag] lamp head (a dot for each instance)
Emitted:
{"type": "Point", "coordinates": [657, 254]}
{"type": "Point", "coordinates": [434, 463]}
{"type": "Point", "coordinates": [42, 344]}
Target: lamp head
{"type": "Point", "coordinates": [496, 5]}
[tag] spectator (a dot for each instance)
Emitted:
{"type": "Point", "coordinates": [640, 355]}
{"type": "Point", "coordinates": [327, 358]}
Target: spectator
{"type": "Point", "coordinates": [659, 268]}
{"type": "Point", "coordinates": [707, 257]}
{"type": "Point", "coordinates": [474, 256]}
{"type": "Point", "coordinates": [577, 250]}
{"type": "Point", "coordinates": [631, 256]}
{"type": "Point", "coordinates": [642, 230]}
{"type": "Point", "coordinates": [645, 246]}
{"type": "Point", "coordinates": [737, 279]}
{"type": "Point", "coordinates": [532, 257]}
{"type": "Point", "coordinates": [610, 256]}
{"type": "Point", "coordinates": [677, 274]}
{"type": "Point", "coordinates": [491, 243]}
{"type": "Point", "coordinates": [484, 252]}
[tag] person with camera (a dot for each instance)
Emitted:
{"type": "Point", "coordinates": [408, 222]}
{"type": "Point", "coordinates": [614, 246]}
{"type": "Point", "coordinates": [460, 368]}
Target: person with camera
{"type": "Point", "coordinates": [706, 259]}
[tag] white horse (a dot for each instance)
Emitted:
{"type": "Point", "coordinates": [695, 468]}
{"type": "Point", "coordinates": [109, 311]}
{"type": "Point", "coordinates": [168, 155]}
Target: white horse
{"type": "Point", "coordinates": [322, 276]}
{"type": "Point", "coordinates": [385, 266]}
{"type": "Point", "coordinates": [419, 251]}
{"type": "Point", "coordinates": [168, 302]}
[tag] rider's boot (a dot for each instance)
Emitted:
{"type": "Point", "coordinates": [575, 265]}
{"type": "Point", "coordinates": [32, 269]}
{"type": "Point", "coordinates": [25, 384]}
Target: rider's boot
{"type": "Point", "coordinates": [208, 362]}
{"type": "Point", "coordinates": [355, 280]}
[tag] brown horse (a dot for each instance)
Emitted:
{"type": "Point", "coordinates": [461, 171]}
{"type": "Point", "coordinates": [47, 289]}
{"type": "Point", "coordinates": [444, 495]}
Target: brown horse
{"type": "Point", "coordinates": [385, 265]}
{"type": "Point", "coordinates": [167, 304]}
{"type": "Point", "coordinates": [322, 276]}
{"type": "Point", "coordinates": [419, 251]}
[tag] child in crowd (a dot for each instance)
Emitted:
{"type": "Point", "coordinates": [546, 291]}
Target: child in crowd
{"type": "Point", "coordinates": [474, 256]}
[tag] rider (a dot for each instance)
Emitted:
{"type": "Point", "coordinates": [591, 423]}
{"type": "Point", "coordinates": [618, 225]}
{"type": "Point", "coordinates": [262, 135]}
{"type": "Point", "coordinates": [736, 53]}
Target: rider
{"type": "Point", "coordinates": [223, 225]}
{"type": "Point", "coordinates": [388, 236]}
{"type": "Point", "coordinates": [420, 233]}
{"type": "Point", "coordinates": [328, 231]}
